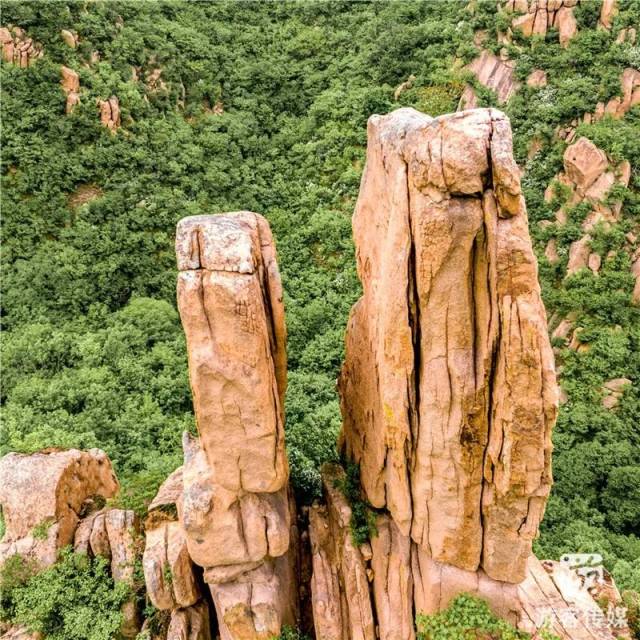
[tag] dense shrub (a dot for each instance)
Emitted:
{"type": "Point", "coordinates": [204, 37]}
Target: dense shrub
{"type": "Point", "coordinates": [75, 599]}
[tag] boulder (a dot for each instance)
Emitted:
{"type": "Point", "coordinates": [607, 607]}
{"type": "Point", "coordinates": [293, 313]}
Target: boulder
{"type": "Point", "coordinates": [537, 78]}
{"type": "Point", "coordinates": [69, 38]}
{"type": "Point", "coordinates": [584, 163]}
{"type": "Point", "coordinates": [42, 497]}
{"type": "Point", "coordinates": [579, 255]}
{"type": "Point", "coordinates": [191, 623]}
{"type": "Point", "coordinates": [168, 570]}
{"type": "Point", "coordinates": [608, 12]}
{"type": "Point", "coordinates": [70, 82]}
{"type": "Point", "coordinates": [110, 113]}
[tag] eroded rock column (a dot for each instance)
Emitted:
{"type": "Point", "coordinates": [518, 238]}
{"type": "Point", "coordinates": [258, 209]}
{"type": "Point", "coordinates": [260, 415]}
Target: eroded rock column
{"type": "Point", "coordinates": [235, 507]}
{"type": "Point", "coordinates": [448, 387]}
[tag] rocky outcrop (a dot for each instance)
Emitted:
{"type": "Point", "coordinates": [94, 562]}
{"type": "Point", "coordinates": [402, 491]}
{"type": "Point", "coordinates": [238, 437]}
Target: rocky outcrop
{"type": "Point", "coordinates": [70, 38]}
{"type": "Point", "coordinates": [342, 606]}
{"type": "Point", "coordinates": [612, 391]}
{"type": "Point", "coordinates": [536, 17]}
{"type": "Point", "coordinates": [236, 510]}
{"type": "Point", "coordinates": [617, 107]}
{"type": "Point", "coordinates": [448, 392]}
{"type": "Point", "coordinates": [18, 48]}
{"type": "Point", "coordinates": [495, 73]}
{"type": "Point", "coordinates": [608, 12]}
{"type": "Point", "coordinates": [70, 82]}
{"type": "Point", "coordinates": [588, 176]}
{"type": "Point", "coordinates": [438, 221]}
{"type": "Point", "coordinates": [110, 113]}
{"type": "Point", "coordinates": [43, 498]}
{"type": "Point", "coordinates": [537, 79]}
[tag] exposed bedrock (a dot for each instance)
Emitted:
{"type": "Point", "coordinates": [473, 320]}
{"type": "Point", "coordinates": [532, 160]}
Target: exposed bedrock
{"type": "Point", "coordinates": [44, 496]}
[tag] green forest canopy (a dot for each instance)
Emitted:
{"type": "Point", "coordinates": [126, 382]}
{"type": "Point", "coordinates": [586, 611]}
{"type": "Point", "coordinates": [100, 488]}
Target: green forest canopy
{"type": "Point", "coordinates": [93, 352]}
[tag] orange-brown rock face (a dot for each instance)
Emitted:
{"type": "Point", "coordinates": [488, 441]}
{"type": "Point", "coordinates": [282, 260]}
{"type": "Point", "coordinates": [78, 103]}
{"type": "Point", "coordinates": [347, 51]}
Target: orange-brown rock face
{"type": "Point", "coordinates": [536, 17]}
{"type": "Point", "coordinates": [235, 509]}
{"type": "Point", "coordinates": [70, 81]}
{"type": "Point", "coordinates": [42, 496]}
{"type": "Point", "coordinates": [110, 113]}
{"type": "Point", "coordinates": [448, 387]}
{"type": "Point", "coordinates": [18, 48]}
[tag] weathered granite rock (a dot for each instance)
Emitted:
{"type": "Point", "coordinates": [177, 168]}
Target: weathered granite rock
{"type": "Point", "coordinates": [192, 623]}
{"type": "Point", "coordinates": [451, 318]}
{"type": "Point", "coordinates": [537, 78]}
{"type": "Point", "coordinates": [494, 73]}
{"type": "Point", "coordinates": [70, 81]}
{"type": "Point", "coordinates": [635, 272]}
{"type": "Point", "coordinates": [612, 391]}
{"type": "Point", "coordinates": [550, 595]}
{"type": "Point", "coordinates": [325, 586]}
{"type": "Point", "coordinates": [230, 301]}
{"type": "Point", "coordinates": [110, 113]}
{"type": "Point", "coordinates": [18, 48]}
{"type": "Point", "coordinates": [536, 17]}
{"type": "Point", "coordinates": [70, 38]}
{"type": "Point", "coordinates": [608, 12]}
{"type": "Point", "coordinates": [588, 176]}
{"type": "Point", "coordinates": [42, 497]}
{"type": "Point", "coordinates": [10, 632]}
{"type": "Point", "coordinates": [169, 494]}
{"type": "Point", "coordinates": [392, 581]}
{"type": "Point", "coordinates": [342, 606]}
{"type": "Point", "coordinates": [584, 163]}
{"type": "Point", "coordinates": [168, 570]}
{"type": "Point", "coordinates": [236, 511]}
{"type": "Point", "coordinates": [617, 107]}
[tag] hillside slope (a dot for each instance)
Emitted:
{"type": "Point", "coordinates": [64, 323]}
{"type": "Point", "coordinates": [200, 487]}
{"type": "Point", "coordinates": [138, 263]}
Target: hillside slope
{"type": "Point", "coordinates": [233, 106]}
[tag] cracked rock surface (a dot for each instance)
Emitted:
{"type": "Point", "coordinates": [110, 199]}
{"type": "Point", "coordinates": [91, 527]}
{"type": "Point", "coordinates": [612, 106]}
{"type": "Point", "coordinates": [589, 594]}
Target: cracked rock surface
{"type": "Point", "coordinates": [448, 388]}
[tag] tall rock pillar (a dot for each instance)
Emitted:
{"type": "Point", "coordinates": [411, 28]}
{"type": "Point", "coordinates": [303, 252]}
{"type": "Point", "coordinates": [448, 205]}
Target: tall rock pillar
{"type": "Point", "coordinates": [236, 509]}
{"type": "Point", "coordinates": [448, 387]}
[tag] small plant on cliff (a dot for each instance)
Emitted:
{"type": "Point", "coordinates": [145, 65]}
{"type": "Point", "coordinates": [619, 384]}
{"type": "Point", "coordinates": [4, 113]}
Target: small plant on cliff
{"type": "Point", "coordinates": [363, 518]}
{"type": "Point", "coordinates": [467, 618]}
{"type": "Point", "coordinates": [41, 530]}
{"type": "Point", "coordinates": [290, 633]}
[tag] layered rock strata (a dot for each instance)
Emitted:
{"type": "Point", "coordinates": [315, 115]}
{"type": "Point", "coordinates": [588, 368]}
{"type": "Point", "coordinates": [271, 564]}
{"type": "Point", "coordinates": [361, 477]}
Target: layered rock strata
{"type": "Point", "coordinates": [236, 511]}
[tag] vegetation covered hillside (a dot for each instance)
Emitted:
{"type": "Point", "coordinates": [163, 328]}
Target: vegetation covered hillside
{"type": "Point", "coordinates": [263, 106]}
